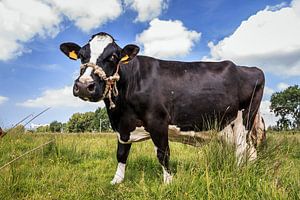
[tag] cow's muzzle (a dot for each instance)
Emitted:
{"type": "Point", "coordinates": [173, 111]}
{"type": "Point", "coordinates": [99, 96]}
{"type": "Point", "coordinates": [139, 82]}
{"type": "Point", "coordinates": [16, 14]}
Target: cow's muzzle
{"type": "Point", "coordinates": [85, 91]}
{"type": "Point", "coordinates": [110, 82]}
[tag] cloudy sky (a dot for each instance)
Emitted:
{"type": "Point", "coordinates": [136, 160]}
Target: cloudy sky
{"type": "Point", "coordinates": [35, 75]}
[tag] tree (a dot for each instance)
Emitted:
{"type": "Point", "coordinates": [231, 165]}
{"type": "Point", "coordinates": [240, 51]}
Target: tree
{"type": "Point", "coordinates": [286, 104]}
{"type": "Point", "coordinates": [64, 127]}
{"type": "Point", "coordinates": [55, 126]}
{"type": "Point", "coordinates": [101, 116]}
{"type": "Point", "coordinates": [81, 122]}
{"type": "Point", "coordinates": [43, 129]}
{"type": "Point", "coordinates": [89, 121]}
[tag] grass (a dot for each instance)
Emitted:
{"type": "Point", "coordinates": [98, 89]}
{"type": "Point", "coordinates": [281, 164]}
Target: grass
{"type": "Point", "coordinates": [80, 166]}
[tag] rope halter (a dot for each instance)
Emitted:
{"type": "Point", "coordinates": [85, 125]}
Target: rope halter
{"type": "Point", "coordinates": [110, 82]}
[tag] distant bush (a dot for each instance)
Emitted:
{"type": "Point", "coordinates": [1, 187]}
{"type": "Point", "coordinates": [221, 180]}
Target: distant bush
{"type": "Point", "coordinates": [20, 129]}
{"type": "Point", "coordinates": [43, 129]}
{"type": "Point", "coordinates": [55, 126]}
{"type": "Point", "coordinates": [81, 122]}
{"type": "Point", "coordinates": [89, 121]}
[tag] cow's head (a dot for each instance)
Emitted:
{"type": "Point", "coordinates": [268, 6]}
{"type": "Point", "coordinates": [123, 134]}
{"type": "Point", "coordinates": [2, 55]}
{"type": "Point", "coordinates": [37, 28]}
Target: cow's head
{"type": "Point", "coordinates": [100, 58]}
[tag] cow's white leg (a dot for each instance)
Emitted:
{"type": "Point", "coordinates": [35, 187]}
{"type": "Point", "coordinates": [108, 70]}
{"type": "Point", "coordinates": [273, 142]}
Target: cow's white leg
{"type": "Point", "coordinates": [241, 146]}
{"type": "Point", "coordinates": [240, 138]}
{"type": "Point", "coordinates": [167, 176]}
{"type": "Point", "coordinates": [120, 174]}
{"type": "Point", "coordinates": [252, 151]}
{"type": "Point", "coordinates": [122, 155]}
{"type": "Point", "coordinates": [243, 149]}
{"type": "Point", "coordinates": [159, 135]}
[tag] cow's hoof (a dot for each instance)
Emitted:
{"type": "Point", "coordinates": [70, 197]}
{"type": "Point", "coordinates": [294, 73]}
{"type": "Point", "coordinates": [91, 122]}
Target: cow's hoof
{"type": "Point", "coordinates": [117, 180]}
{"type": "Point", "coordinates": [168, 179]}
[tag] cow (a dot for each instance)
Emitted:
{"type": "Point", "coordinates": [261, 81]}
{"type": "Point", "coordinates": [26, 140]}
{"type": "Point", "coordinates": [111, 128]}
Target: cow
{"type": "Point", "coordinates": [149, 98]}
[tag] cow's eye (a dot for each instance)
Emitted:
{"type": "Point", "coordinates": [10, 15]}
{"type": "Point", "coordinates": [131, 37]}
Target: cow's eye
{"type": "Point", "coordinates": [112, 58]}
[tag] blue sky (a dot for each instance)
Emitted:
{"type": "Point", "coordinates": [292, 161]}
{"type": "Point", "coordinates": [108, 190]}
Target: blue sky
{"type": "Point", "coordinates": [35, 75]}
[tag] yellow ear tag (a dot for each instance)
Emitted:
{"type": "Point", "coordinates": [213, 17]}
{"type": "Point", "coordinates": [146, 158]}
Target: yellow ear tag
{"type": "Point", "coordinates": [125, 59]}
{"type": "Point", "coordinates": [73, 55]}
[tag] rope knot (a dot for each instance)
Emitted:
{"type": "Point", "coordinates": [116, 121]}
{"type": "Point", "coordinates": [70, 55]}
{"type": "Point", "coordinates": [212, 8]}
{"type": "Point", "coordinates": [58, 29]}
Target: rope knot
{"type": "Point", "coordinates": [110, 82]}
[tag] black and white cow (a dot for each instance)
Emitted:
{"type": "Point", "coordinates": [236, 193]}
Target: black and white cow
{"type": "Point", "coordinates": [150, 98]}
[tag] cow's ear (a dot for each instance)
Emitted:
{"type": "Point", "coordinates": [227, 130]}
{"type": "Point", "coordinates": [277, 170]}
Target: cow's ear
{"type": "Point", "coordinates": [129, 52]}
{"type": "Point", "coordinates": [70, 49]}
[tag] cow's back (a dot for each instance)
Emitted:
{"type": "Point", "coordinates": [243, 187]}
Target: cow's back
{"type": "Point", "coordinates": [194, 95]}
{"type": "Point", "coordinates": [197, 95]}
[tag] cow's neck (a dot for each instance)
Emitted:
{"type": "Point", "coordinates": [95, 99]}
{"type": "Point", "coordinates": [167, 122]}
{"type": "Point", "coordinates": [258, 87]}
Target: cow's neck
{"type": "Point", "coordinates": [129, 76]}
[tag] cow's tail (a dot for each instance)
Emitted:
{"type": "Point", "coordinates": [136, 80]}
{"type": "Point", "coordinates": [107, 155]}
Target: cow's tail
{"type": "Point", "coordinates": [255, 101]}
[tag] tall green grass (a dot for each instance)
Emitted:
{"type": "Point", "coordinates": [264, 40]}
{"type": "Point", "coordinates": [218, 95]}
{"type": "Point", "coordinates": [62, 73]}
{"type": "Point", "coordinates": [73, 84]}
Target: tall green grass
{"type": "Point", "coordinates": [81, 167]}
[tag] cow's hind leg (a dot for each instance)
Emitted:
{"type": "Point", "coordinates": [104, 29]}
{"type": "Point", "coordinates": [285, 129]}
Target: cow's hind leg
{"type": "Point", "coordinates": [245, 150]}
{"type": "Point", "coordinates": [159, 136]}
{"type": "Point", "coordinates": [122, 155]}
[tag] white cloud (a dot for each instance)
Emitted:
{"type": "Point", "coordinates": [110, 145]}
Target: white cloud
{"type": "Point", "coordinates": [3, 99]}
{"type": "Point", "coordinates": [296, 6]}
{"type": "Point", "coordinates": [269, 117]}
{"type": "Point", "coordinates": [282, 86]}
{"type": "Point", "coordinates": [269, 39]}
{"type": "Point", "coordinates": [277, 7]}
{"type": "Point", "coordinates": [20, 23]}
{"type": "Point", "coordinates": [167, 39]}
{"type": "Point", "coordinates": [148, 9]}
{"type": "Point", "coordinates": [88, 15]}
{"type": "Point", "coordinates": [61, 98]}
{"type": "Point", "coordinates": [268, 92]}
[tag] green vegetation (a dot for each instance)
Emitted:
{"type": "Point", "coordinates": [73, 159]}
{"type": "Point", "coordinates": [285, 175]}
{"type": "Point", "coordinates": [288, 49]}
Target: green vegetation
{"type": "Point", "coordinates": [43, 129]}
{"type": "Point", "coordinates": [55, 126]}
{"type": "Point", "coordinates": [80, 122]}
{"type": "Point", "coordinates": [286, 105]}
{"type": "Point", "coordinates": [80, 166]}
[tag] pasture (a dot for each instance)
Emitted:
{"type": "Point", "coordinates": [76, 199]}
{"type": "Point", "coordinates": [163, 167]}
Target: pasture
{"type": "Point", "coordinates": [81, 166]}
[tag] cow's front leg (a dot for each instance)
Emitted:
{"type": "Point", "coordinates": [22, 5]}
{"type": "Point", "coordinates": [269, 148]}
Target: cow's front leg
{"type": "Point", "coordinates": [160, 140]}
{"type": "Point", "coordinates": [122, 155]}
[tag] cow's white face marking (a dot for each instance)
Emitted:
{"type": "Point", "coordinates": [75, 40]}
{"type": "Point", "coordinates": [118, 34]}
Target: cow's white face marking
{"type": "Point", "coordinates": [86, 76]}
{"type": "Point", "coordinates": [120, 174]}
{"type": "Point", "coordinates": [97, 46]}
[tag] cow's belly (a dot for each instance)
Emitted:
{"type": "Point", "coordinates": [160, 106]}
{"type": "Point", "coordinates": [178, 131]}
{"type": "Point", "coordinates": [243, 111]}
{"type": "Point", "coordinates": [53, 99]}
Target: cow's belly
{"type": "Point", "coordinates": [175, 135]}
{"type": "Point", "coordinates": [215, 114]}
{"type": "Point", "coordinates": [234, 133]}
{"type": "Point", "coordinates": [188, 137]}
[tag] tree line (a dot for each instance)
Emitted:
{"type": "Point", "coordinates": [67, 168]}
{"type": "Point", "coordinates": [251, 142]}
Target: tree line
{"type": "Point", "coordinates": [97, 121]}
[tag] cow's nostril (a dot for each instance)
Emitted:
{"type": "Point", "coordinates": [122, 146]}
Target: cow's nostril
{"type": "Point", "coordinates": [91, 87]}
{"type": "Point", "coordinates": [76, 88]}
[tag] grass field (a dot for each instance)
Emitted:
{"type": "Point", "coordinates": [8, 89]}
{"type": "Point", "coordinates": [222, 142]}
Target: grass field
{"type": "Point", "coordinates": [81, 167]}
